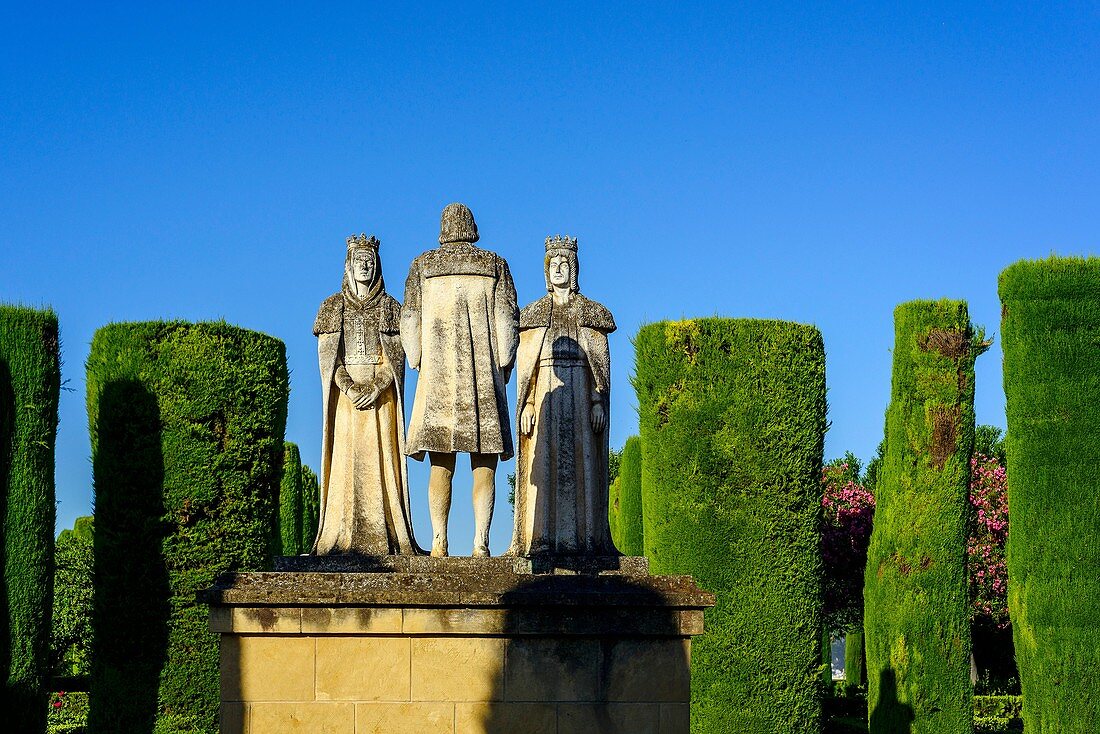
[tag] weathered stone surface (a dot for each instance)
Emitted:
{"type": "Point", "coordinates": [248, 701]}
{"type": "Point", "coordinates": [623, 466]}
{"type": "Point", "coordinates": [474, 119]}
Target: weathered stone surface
{"type": "Point", "coordinates": [563, 366]}
{"type": "Point", "coordinates": [364, 485]}
{"type": "Point", "coordinates": [303, 718]}
{"type": "Point", "coordinates": [459, 328]}
{"type": "Point", "coordinates": [457, 669]}
{"type": "Point", "coordinates": [405, 718]}
{"type": "Point", "coordinates": [576, 666]}
{"type": "Point", "coordinates": [248, 660]}
{"type": "Point", "coordinates": [614, 718]}
{"type": "Point", "coordinates": [357, 668]}
{"type": "Point", "coordinates": [588, 565]}
{"type": "Point", "coordinates": [487, 587]}
{"type": "Point", "coordinates": [492, 718]}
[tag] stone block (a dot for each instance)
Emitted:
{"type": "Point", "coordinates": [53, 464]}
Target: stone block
{"type": "Point", "coordinates": [404, 718]}
{"type": "Point", "coordinates": [492, 718]}
{"type": "Point", "coordinates": [655, 670]}
{"type": "Point", "coordinates": [303, 718]}
{"type": "Point", "coordinates": [575, 664]}
{"type": "Point", "coordinates": [454, 621]}
{"type": "Point", "coordinates": [350, 620]}
{"type": "Point", "coordinates": [457, 669]}
{"type": "Point", "coordinates": [609, 718]}
{"type": "Point", "coordinates": [675, 718]}
{"type": "Point", "coordinates": [362, 668]}
{"type": "Point", "coordinates": [263, 668]}
{"type": "Point", "coordinates": [233, 718]}
{"type": "Point", "coordinates": [246, 620]}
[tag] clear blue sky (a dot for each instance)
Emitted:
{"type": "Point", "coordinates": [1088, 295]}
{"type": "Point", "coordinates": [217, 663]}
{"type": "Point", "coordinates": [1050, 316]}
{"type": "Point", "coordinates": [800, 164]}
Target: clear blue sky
{"type": "Point", "coordinates": [819, 164]}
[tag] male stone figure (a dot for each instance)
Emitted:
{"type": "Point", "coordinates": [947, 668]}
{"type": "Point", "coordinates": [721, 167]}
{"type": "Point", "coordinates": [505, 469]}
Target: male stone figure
{"type": "Point", "coordinates": [459, 327]}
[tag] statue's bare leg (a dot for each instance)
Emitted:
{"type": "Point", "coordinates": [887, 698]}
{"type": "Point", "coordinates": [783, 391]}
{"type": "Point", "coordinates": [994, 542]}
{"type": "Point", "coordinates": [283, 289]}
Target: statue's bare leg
{"type": "Point", "coordinates": [439, 498]}
{"type": "Point", "coordinates": [484, 468]}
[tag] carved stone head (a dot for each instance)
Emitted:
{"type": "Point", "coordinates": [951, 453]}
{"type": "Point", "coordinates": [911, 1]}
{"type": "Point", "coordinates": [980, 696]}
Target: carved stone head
{"type": "Point", "coordinates": [361, 263]}
{"type": "Point", "coordinates": [560, 265]}
{"type": "Point", "coordinates": [457, 225]}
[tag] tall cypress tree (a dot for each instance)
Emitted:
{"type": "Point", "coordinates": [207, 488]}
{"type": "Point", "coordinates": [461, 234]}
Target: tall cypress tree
{"type": "Point", "coordinates": [311, 508]}
{"type": "Point", "coordinates": [916, 595]}
{"type": "Point", "coordinates": [30, 383]}
{"type": "Point", "coordinates": [1051, 339]}
{"type": "Point", "coordinates": [290, 502]}
{"type": "Point", "coordinates": [630, 498]}
{"type": "Point", "coordinates": [732, 415]}
{"type": "Point", "coordinates": [186, 422]}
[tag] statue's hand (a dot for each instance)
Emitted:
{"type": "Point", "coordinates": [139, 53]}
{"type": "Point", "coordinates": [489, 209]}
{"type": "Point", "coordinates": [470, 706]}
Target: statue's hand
{"type": "Point", "coordinates": [527, 420]}
{"type": "Point", "coordinates": [360, 398]}
{"type": "Point", "coordinates": [599, 418]}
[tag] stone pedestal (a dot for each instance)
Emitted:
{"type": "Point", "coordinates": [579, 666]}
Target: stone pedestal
{"type": "Point", "coordinates": [455, 646]}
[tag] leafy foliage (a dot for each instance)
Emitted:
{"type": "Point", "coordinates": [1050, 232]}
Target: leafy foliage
{"type": "Point", "coordinates": [67, 713]}
{"type": "Point", "coordinates": [71, 643]}
{"type": "Point", "coordinates": [187, 424]}
{"type": "Point", "coordinates": [30, 383]}
{"type": "Point", "coordinates": [917, 615]}
{"type": "Point", "coordinates": [1051, 338]}
{"type": "Point", "coordinates": [732, 416]}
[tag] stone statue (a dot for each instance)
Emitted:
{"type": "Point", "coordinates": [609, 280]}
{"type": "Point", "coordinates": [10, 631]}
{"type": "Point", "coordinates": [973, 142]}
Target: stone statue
{"type": "Point", "coordinates": [458, 327]}
{"type": "Point", "coordinates": [364, 485]}
{"type": "Point", "coordinates": [564, 373]}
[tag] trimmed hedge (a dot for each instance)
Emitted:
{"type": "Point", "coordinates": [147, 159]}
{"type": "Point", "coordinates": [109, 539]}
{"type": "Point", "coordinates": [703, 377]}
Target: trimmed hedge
{"type": "Point", "coordinates": [732, 415]}
{"type": "Point", "coordinates": [916, 592]}
{"type": "Point", "coordinates": [290, 502]}
{"type": "Point", "coordinates": [186, 422]}
{"type": "Point", "coordinates": [30, 383]}
{"type": "Point", "coordinates": [630, 498]}
{"type": "Point", "coordinates": [1051, 339]}
{"type": "Point", "coordinates": [311, 507]}
{"type": "Point", "coordinates": [853, 658]}
{"type": "Point", "coordinates": [614, 511]}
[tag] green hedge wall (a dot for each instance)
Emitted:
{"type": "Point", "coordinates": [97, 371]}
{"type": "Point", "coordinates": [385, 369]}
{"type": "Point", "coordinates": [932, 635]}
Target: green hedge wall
{"type": "Point", "coordinates": [186, 422]}
{"type": "Point", "coordinates": [311, 507]}
{"type": "Point", "coordinates": [290, 502]}
{"type": "Point", "coordinates": [732, 415]}
{"type": "Point", "coordinates": [615, 510]}
{"type": "Point", "coordinates": [30, 382]}
{"type": "Point", "coordinates": [1051, 340]}
{"type": "Point", "coordinates": [916, 595]}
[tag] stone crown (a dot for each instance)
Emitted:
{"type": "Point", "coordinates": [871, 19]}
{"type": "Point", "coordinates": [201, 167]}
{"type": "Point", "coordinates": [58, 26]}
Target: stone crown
{"type": "Point", "coordinates": [560, 242]}
{"type": "Point", "coordinates": [361, 240]}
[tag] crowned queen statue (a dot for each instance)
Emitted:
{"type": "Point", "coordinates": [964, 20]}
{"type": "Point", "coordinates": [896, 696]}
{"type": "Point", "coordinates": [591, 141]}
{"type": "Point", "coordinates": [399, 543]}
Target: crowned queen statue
{"type": "Point", "coordinates": [564, 372]}
{"type": "Point", "coordinates": [364, 486]}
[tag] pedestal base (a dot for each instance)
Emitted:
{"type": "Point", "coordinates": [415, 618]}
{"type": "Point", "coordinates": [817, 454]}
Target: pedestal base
{"type": "Point", "coordinates": [455, 646]}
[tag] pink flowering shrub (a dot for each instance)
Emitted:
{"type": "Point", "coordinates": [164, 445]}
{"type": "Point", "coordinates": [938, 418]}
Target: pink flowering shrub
{"type": "Point", "coordinates": [986, 546]}
{"type": "Point", "coordinates": [848, 510]}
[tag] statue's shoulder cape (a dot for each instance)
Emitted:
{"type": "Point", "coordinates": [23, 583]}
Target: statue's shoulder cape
{"type": "Point", "coordinates": [592, 315]}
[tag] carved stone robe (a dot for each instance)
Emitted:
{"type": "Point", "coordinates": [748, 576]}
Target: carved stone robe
{"type": "Point", "coordinates": [458, 326]}
{"type": "Point", "coordinates": [563, 368]}
{"type": "Point", "coordinates": [364, 485]}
